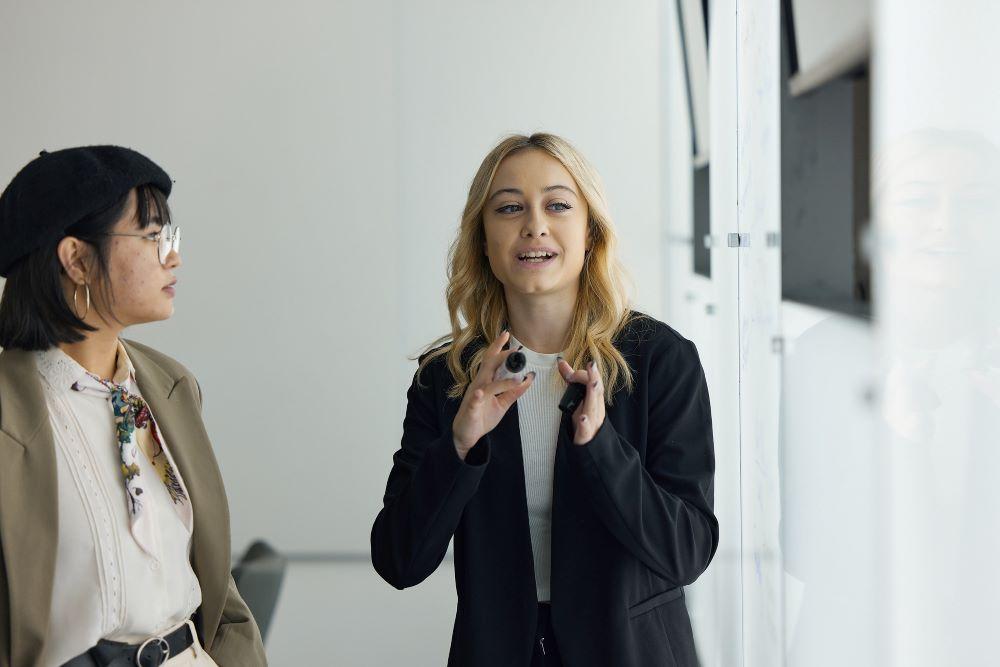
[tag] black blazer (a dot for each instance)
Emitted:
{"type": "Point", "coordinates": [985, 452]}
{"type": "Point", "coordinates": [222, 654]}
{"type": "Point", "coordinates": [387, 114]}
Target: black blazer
{"type": "Point", "coordinates": [632, 517]}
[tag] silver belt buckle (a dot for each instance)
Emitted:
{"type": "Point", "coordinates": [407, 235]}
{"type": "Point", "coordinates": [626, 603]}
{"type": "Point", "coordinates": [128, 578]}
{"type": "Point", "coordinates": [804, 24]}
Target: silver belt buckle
{"type": "Point", "coordinates": [159, 652]}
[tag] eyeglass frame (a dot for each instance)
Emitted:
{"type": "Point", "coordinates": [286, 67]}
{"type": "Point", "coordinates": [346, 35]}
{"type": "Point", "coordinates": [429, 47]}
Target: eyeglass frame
{"type": "Point", "coordinates": [174, 240]}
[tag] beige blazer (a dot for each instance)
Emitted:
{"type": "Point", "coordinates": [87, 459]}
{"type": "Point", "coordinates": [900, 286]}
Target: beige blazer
{"type": "Point", "coordinates": [28, 509]}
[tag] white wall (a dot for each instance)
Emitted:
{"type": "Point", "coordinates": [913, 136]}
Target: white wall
{"type": "Point", "coordinates": [469, 73]}
{"type": "Point", "coordinates": [276, 140]}
{"type": "Point", "coordinates": [321, 152]}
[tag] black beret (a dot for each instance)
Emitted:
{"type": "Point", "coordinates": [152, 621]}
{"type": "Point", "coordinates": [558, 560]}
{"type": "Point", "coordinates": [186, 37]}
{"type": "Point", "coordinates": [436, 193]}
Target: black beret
{"type": "Point", "coordinates": [56, 190]}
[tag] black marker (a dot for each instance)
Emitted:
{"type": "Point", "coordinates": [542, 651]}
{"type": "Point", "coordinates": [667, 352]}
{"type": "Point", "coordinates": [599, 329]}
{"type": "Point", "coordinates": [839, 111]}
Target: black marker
{"type": "Point", "coordinates": [575, 393]}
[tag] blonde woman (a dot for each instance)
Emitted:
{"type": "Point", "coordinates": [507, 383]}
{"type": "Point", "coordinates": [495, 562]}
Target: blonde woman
{"type": "Point", "coordinates": [574, 532]}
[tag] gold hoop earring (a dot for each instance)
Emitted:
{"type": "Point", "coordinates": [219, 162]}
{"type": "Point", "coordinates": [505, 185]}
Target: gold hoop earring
{"type": "Point", "coordinates": [76, 306]}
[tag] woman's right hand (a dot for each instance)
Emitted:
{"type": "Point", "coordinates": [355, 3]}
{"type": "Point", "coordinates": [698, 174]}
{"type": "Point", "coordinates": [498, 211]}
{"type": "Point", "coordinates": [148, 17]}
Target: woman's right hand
{"type": "Point", "coordinates": [485, 401]}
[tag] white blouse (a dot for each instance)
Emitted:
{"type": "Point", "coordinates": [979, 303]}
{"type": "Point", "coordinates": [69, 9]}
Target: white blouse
{"type": "Point", "coordinates": [106, 586]}
{"type": "Point", "coordinates": [538, 417]}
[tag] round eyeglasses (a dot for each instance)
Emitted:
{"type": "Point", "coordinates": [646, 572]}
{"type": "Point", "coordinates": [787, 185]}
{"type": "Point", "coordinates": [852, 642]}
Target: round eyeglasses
{"type": "Point", "coordinates": [167, 239]}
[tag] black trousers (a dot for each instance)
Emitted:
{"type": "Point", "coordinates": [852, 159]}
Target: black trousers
{"type": "Point", "coordinates": [546, 653]}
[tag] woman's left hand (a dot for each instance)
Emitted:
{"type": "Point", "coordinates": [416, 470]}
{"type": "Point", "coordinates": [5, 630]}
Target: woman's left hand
{"type": "Point", "coordinates": [589, 415]}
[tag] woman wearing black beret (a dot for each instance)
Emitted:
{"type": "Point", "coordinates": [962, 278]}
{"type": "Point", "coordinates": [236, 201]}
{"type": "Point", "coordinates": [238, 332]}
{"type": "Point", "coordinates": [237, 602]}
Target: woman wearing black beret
{"type": "Point", "coordinates": [574, 531]}
{"type": "Point", "coordinates": [114, 527]}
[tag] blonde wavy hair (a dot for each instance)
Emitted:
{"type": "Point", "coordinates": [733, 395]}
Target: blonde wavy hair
{"type": "Point", "coordinates": [475, 293]}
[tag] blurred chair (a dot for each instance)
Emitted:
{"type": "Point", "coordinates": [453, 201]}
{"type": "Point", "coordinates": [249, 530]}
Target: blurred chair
{"type": "Point", "coordinates": [258, 578]}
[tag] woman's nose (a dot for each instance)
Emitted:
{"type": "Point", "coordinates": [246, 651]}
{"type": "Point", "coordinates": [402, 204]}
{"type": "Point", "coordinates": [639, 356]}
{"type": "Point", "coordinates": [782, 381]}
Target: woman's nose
{"type": "Point", "coordinates": [173, 260]}
{"type": "Point", "coordinates": [534, 224]}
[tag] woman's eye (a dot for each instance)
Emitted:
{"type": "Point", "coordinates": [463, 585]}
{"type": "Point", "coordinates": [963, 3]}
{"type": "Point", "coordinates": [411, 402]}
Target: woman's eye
{"type": "Point", "coordinates": [560, 206]}
{"type": "Point", "coordinates": [509, 208]}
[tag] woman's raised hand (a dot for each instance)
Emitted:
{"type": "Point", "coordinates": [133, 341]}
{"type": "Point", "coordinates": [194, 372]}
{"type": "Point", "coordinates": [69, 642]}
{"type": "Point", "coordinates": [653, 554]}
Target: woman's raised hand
{"type": "Point", "coordinates": [486, 401]}
{"type": "Point", "coordinates": [589, 416]}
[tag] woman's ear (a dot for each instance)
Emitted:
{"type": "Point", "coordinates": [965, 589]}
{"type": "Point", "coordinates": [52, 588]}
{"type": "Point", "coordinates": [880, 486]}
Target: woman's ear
{"type": "Point", "coordinates": [76, 259]}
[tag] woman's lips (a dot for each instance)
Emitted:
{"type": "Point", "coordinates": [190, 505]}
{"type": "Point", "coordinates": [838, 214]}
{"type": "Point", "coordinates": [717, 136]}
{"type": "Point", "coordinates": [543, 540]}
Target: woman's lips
{"type": "Point", "coordinates": [535, 265]}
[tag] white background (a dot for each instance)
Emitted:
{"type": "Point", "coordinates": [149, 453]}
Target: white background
{"type": "Point", "coordinates": [322, 152]}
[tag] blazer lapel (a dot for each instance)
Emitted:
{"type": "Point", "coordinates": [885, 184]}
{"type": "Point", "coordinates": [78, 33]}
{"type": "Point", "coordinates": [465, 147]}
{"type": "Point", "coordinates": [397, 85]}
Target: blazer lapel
{"type": "Point", "coordinates": [175, 407]}
{"type": "Point", "coordinates": [507, 464]}
{"type": "Point", "coordinates": [29, 521]}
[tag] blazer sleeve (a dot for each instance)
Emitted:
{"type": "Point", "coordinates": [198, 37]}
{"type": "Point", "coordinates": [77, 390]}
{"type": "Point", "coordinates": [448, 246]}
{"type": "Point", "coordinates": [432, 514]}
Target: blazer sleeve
{"type": "Point", "coordinates": [428, 488]}
{"type": "Point", "coordinates": [661, 512]}
{"type": "Point", "coordinates": [237, 642]}
{"type": "Point", "coordinates": [5, 647]}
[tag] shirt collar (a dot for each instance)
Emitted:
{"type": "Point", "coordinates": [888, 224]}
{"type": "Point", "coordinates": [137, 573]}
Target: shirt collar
{"type": "Point", "coordinates": [60, 371]}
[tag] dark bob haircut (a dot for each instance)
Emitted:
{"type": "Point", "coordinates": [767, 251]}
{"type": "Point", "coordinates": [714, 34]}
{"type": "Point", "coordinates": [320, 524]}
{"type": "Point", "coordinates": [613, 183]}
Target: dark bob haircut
{"type": "Point", "coordinates": [34, 312]}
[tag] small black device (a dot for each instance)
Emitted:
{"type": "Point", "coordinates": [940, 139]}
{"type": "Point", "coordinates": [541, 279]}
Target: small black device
{"type": "Point", "coordinates": [574, 395]}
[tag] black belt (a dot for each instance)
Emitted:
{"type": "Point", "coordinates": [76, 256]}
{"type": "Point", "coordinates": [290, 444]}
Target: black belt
{"type": "Point", "coordinates": [151, 653]}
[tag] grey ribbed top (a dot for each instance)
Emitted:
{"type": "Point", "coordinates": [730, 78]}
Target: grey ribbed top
{"type": "Point", "coordinates": [538, 417]}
